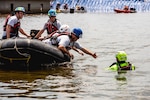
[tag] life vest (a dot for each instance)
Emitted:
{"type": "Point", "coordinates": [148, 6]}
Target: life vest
{"type": "Point", "coordinates": [6, 21]}
{"type": "Point", "coordinates": [14, 29]}
{"type": "Point", "coordinates": [122, 66]}
{"type": "Point", "coordinates": [55, 35]}
{"type": "Point", "coordinates": [51, 27]}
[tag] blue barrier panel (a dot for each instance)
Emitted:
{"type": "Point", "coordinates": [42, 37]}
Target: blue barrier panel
{"type": "Point", "coordinates": [107, 5]}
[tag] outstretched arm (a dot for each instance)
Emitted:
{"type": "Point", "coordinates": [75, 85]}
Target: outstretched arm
{"type": "Point", "coordinates": [39, 34]}
{"type": "Point", "coordinates": [75, 49]}
{"type": "Point", "coordinates": [22, 32]}
{"type": "Point", "coordinates": [89, 52]}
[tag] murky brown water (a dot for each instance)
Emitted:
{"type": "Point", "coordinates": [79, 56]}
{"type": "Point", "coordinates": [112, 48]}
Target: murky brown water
{"type": "Point", "coordinates": [87, 78]}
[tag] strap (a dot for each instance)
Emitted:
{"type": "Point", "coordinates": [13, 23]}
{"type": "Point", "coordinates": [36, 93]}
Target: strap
{"type": "Point", "coordinates": [129, 67]}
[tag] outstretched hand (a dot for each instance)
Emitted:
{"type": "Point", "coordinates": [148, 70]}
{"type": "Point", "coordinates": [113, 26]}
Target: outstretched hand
{"type": "Point", "coordinates": [28, 36]}
{"type": "Point", "coordinates": [81, 53]}
{"type": "Point", "coordinates": [41, 38]}
{"type": "Point", "coordinates": [71, 56]}
{"type": "Point", "coordinates": [94, 55]}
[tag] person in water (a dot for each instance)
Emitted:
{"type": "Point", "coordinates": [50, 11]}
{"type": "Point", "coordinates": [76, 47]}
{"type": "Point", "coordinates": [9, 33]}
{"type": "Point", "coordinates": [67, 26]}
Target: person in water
{"type": "Point", "coordinates": [51, 25]}
{"type": "Point", "coordinates": [12, 25]}
{"type": "Point", "coordinates": [121, 62]}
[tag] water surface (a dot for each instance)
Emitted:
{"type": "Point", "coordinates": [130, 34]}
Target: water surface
{"type": "Point", "coordinates": [87, 78]}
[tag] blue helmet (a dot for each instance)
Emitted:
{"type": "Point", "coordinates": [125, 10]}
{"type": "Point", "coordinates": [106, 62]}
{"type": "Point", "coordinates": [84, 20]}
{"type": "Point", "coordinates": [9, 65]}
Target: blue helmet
{"type": "Point", "coordinates": [52, 12]}
{"type": "Point", "coordinates": [78, 32]}
{"type": "Point", "coordinates": [22, 9]}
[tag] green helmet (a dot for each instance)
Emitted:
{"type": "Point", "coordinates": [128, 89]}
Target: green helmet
{"type": "Point", "coordinates": [22, 9]}
{"type": "Point", "coordinates": [121, 56]}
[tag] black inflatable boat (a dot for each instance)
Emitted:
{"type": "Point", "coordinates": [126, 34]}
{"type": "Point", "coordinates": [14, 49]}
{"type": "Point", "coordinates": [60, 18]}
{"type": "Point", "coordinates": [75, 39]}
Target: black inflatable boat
{"type": "Point", "coordinates": [22, 51]}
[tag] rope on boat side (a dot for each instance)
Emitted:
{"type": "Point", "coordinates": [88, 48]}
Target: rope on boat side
{"type": "Point", "coordinates": [11, 59]}
{"type": "Point", "coordinates": [23, 54]}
